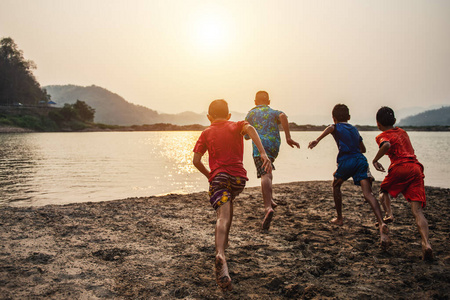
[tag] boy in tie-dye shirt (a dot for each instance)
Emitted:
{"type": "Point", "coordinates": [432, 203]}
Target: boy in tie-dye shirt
{"type": "Point", "coordinates": [266, 121]}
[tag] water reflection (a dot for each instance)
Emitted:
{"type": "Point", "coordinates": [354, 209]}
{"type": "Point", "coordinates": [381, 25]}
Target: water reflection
{"type": "Point", "coordinates": [17, 167]}
{"type": "Point", "coordinates": [59, 168]}
{"type": "Point", "coordinates": [177, 150]}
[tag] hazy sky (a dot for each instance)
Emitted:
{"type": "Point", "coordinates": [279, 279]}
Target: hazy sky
{"type": "Point", "coordinates": [174, 56]}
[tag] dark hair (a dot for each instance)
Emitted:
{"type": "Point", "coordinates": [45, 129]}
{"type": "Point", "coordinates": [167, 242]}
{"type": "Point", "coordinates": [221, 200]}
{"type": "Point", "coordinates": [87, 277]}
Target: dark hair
{"type": "Point", "coordinates": [218, 109]}
{"type": "Point", "coordinates": [341, 113]}
{"type": "Point", "coordinates": [385, 116]}
{"type": "Point", "coordinates": [262, 97]}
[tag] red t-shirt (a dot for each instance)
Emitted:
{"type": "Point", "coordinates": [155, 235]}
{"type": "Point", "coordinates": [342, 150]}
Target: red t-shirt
{"type": "Point", "coordinates": [401, 150]}
{"type": "Point", "coordinates": [225, 145]}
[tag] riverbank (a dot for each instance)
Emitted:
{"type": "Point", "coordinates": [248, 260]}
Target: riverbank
{"type": "Point", "coordinates": [195, 127]}
{"type": "Point", "coordinates": [14, 129]}
{"type": "Point", "coordinates": [163, 247]}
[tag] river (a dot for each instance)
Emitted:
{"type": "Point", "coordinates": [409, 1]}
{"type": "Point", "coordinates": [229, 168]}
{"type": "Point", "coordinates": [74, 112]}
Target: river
{"type": "Point", "coordinates": [60, 168]}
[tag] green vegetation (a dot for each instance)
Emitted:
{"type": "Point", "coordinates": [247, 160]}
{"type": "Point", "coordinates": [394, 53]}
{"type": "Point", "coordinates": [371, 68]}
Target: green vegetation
{"type": "Point", "coordinates": [37, 123]}
{"type": "Point", "coordinates": [24, 104]}
{"type": "Point", "coordinates": [18, 86]}
{"type": "Point", "coordinates": [71, 117]}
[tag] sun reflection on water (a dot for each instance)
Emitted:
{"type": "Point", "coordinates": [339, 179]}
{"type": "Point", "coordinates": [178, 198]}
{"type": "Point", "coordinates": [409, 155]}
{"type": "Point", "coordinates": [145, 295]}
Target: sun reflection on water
{"type": "Point", "coordinates": [177, 150]}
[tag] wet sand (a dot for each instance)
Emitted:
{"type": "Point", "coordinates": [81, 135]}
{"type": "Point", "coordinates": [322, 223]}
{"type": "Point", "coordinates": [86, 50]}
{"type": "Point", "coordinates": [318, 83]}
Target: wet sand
{"type": "Point", "coordinates": [163, 248]}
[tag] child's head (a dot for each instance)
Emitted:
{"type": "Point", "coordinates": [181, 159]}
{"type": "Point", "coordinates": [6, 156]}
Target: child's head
{"type": "Point", "coordinates": [341, 113]}
{"type": "Point", "coordinates": [262, 98]}
{"type": "Point", "coordinates": [386, 117]}
{"type": "Point", "coordinates": [218, 109]}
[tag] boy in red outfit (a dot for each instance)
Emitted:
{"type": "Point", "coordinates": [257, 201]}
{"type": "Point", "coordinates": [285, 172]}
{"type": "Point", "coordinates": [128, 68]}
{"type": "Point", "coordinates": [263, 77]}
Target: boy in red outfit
{"type": "Point", "coordinates": [224, 142]}
{"type": "Point", "coordinates": [405, 174]}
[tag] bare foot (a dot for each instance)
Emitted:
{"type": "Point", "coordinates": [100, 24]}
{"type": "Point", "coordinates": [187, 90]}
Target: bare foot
{"type": "Point", "coordinates": [274, 205]}
{"type": "Point", "coordinates": [223, 278]}
{"type": "Point", "coordinates": [267, 220]}
{"type": "Point", "coordinates": [427, 253]}
{"type": "Point", "coordinates": [388, 219]}
{"type": "Point", "coordinates": [385, 239]}
{"type": "Point", "coordinates": [337, 221]}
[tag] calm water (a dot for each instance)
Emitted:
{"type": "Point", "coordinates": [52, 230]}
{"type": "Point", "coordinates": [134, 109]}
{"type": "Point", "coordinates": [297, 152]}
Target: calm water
{"type": "Point", "coordinates": [60, 168]}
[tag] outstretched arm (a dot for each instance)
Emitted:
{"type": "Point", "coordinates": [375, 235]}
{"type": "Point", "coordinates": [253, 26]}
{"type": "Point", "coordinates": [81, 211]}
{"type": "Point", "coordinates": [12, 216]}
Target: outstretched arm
{"type": "Point", "coordinates": [197, 161]}
{"type": "Point", "coordinates": [326, 132]}
{"type": "Point", "coordinates": [382, 151]}
{"type": "Point", "coordinates": [287, 132]}
{"type": "Point", "coordinates": [251, 131]}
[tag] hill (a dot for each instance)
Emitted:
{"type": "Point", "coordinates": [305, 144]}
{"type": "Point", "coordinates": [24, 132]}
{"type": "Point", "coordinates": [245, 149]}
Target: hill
{"type": "Point", "coordinates": [435, 117]}
{"type": "Point", "coordinates": [112, 109]}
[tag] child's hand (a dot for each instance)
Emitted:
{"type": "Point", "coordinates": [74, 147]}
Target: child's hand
{"type": "Point", "coordinates": [378, 166]}
{"type": "Point", "coordinates": [292, 143]}
{"type": "Point", "coordinates": [312, 144]}
{"type": "Point", "coordinates": [267, 163]}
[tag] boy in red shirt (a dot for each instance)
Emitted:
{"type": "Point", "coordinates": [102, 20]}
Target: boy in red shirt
{"type": "Point", "coordinates": [405, 174]}
{"type": "Point", "coordinates": [224, 142]}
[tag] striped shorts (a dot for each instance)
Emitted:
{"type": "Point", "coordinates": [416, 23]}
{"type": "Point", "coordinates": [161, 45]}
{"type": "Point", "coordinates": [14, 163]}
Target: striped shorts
{"type": "Point", "coordinates": [259, 166]}
{"type": "Point", "coordinates": [224, 188]}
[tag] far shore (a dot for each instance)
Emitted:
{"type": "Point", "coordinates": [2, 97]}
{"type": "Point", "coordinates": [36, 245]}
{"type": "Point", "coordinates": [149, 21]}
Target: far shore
{"type": "Point", "coordinates": [197, 127]}
{"type": "Point", "coordinates": [163, 248]}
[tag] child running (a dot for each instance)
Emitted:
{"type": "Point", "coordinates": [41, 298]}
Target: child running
{"type": "Point", "coordinates": [351, 163]}
{"type": "Point", "coordinates": [266, 120]}
{"type": "Point", "coordinates": [224, 142]}
{"type": "Point", "coordinates": [405, 174]}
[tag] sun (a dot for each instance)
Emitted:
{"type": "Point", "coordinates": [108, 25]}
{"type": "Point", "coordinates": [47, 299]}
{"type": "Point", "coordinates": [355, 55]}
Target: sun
{"type": "Point", "coordinates": [211, 32]}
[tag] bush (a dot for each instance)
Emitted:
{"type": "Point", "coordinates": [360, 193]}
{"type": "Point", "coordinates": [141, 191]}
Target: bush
{"type": "Point", "coordinates": [6, 121]}
{"type": "Point", "coordinates": [77, 125]}
{"type": "Point", "coordinates": [56, 116]}
{"type": "Point", "coordinates": [30, 122]}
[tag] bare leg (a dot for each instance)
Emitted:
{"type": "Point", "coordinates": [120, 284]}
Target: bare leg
{"type": "Point", "coordinates": [266, 187]}
{"type": "Point", "coordinates": [337, 195]}
{"type": "Point", "coordinates": [422, 225]}
{"type": "Point", "coordinates": [366, 187]}
{"type": "Point", "coordinates": [274, 205]}
{"type": "Point", "coordinates": [385, 200]}
{"type": "Point", "coordinates": [223, 225]}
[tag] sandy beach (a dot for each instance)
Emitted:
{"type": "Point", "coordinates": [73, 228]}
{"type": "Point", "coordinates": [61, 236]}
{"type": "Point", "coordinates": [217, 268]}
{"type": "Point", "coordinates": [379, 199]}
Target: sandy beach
{"type": "Point", "coordinates": [163, 248]}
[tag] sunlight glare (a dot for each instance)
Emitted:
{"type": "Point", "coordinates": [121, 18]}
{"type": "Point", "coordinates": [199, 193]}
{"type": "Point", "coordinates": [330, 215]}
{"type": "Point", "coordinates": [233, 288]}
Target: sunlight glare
{"type": "Point", "coordinates": [178, 151]}
{"type": "Point", "coordinates": [211, 31]}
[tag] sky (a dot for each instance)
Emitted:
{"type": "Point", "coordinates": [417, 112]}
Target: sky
{"type": "Point", "coordinates": [174, 56]}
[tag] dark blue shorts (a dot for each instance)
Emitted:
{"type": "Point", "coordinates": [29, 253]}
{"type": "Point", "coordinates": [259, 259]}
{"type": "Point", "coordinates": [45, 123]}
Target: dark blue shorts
{"type": "Point", "coordinates": [356, 167]}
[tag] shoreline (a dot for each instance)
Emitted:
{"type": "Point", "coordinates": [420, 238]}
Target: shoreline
{"type": "Point", "coordinates": [14, 129]}
{"type": "Point", "coordinates": [163, 247]}
{"type": "Point", "coordinates": [197, 127]}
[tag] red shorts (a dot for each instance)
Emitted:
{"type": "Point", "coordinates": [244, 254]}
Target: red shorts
{"type": "Point", "coordinates": [407, 179]}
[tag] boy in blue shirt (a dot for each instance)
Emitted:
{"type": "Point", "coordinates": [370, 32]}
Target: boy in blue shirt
{"type": "Point", "coordinates": [351, 163]}
{"type": "Point", "coordinates": [266, 120]}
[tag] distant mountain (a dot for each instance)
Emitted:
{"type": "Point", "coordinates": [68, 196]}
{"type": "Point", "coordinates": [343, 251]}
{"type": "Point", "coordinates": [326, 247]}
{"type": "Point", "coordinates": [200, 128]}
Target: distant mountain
{"type": "Point", "coordinates": [435, 117]}
{"type": "Point", "coordinates": [112, 109]}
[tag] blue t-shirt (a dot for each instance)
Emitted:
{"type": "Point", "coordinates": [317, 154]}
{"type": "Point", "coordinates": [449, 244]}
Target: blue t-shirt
{"type": "Point", "coordinates": [266, 120]}
{"type": "Point", "coordinates": [347, 139]}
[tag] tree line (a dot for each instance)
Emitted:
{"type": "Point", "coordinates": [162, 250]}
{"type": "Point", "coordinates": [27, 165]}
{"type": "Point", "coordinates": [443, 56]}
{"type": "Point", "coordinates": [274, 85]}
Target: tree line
{"type": "Point", "coordinates": [18, 87]}
{"type": "Point", "coordinates": [17, 82]}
